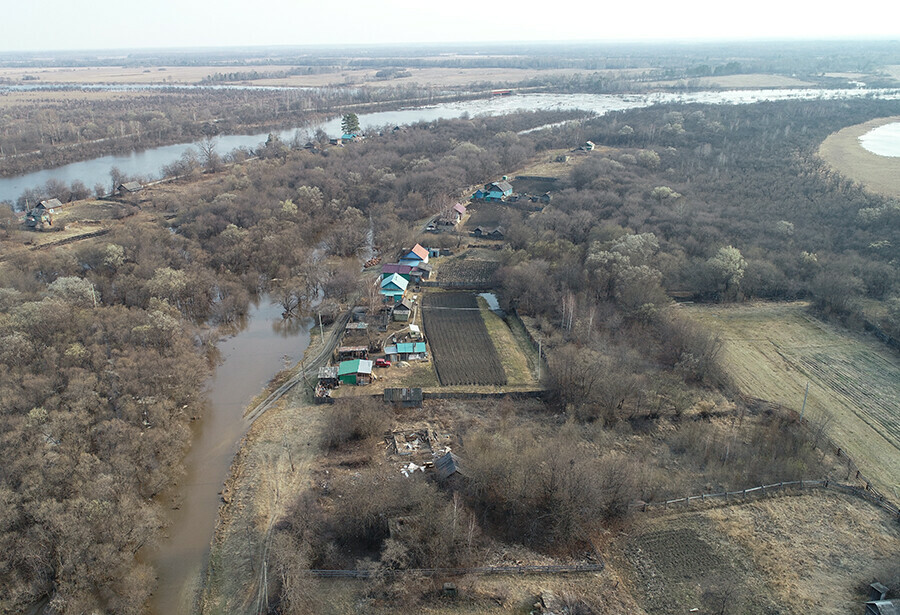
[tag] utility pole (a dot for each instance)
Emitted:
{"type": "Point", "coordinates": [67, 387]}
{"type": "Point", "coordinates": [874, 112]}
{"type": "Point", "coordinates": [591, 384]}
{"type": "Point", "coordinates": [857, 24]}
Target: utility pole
{"type": "Point", "coordinates": [321, 329]}
{"type": "Point", "coordinates": [539, 361]}
{"type": "Point", "coordinates": [805, 395]}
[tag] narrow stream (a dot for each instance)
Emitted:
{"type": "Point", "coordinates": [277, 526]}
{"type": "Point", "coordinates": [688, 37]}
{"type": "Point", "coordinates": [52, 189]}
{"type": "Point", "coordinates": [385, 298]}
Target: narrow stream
{"type": "Point", "coordinates": [248, 360]}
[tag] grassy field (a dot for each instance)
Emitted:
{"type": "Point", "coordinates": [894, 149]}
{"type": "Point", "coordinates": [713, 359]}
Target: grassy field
{"type": "Point", "coordinates": [773, 350]}
{"type": "Point", "coordinates": [787, 553]}
{"type": "Point", "coordinates": [509, 347]}
{"type": "Point", "coordinates": [842, 151]}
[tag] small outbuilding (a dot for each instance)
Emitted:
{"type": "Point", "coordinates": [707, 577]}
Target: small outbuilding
{"type": "Point", "coordinates": [357, 371]}
{"type": "Point", "coordinates": [406, 397]}
{"type": "Point", "coordinates": [402, 310]}
{"type": "Point", "coordinates": [328, 376]}
{"type": "Point", "coordinates": [447, 466]}
{"type": "Point", "coordinates": [883, 607]}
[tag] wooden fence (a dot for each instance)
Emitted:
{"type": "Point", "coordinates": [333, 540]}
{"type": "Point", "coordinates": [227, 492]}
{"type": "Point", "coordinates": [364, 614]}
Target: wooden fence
{"type": "Point", "coordinates": [455, 572]}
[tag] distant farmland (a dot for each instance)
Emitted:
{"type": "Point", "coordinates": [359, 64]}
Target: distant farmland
{"type": "Point", "coordinates": [463, 351]}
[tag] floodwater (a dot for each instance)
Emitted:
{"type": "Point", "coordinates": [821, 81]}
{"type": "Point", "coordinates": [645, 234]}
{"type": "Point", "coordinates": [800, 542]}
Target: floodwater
{"type": "Point", "coordinates": [883, 141]}
{"type": "Point", "coordinates": [248, 360]}
{"type": "Point", "coordinates": [148, 163]}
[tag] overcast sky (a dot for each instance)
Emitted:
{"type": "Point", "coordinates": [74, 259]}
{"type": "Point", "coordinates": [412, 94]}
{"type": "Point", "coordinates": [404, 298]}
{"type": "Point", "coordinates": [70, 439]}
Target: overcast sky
{"type": "Point", "coordinates": [34, 25]}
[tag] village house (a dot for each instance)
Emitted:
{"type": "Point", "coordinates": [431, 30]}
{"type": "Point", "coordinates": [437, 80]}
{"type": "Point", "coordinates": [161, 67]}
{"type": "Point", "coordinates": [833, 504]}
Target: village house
{"type": "Point", "coordinates": [402, 310]}
{"type": "Point", "coordinates": [401, 270]}
{"type": "Point", "coordinates": [495, 233]}
{"type": "Point", "coordinates": [406, 351]}
{"type": "Point", "coordinates": [393, 288]}
{"type": "Point", "coordinates": [357, 371]}
{"type": "Point", "coordinates": [352, 352]}
{"type": "Point", "coordinates": [497, 191]}
{"type": "Point", "coordinates": [415, 256]}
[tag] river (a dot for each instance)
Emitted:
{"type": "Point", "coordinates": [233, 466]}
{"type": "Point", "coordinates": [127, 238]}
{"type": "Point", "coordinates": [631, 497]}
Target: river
{"type": "Point", "coordinates": [255, 353]}
{"type": "Point", "coordinates": [248, 360]}
{"type": "Point", "coordinates": [149, 162]}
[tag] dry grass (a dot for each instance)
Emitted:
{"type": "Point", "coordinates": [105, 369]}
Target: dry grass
{"type": "Point", "coordinates": [813, 550]}
{"type": "Point", "coordinates": [49, 98]}
{"type": "Point", "coordinates": [122, 74]}
{"type": "Point", "coordinates": [842, 150]}
{"type": "Point", "coordinates": [773, 350]}
{"type": "Point", "coordinates": [512, 354]}
{"type": "Point", "coordinates": [796, 552]}
{"type": "Point", "coordinates": [195, 74]}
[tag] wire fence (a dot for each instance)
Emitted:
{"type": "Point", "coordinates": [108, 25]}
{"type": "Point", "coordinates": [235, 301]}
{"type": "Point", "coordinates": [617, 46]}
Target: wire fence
{"type": "Point", "coordinates": [781, 488]}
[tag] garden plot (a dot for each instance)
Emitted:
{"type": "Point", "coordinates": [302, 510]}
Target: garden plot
{"type": "Point", "coordinates": [463, 351]}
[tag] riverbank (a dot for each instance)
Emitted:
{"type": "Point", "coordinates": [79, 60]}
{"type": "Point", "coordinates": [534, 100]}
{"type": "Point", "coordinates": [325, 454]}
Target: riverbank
{"type": "Point", "coordinates": [274, 459]}
{"type": "Point", "coordinates": [843, 151]}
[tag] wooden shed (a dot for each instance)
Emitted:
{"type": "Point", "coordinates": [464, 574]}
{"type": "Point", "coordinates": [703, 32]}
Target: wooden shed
{"type": "Point", "coordinates": [406, 397]}
{"type": "Point", "coordinates": [447, 466]}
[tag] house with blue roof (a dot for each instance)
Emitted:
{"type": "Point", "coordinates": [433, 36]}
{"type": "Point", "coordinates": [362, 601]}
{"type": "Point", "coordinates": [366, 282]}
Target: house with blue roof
{"type": "Point", "coordinates": [408, 351]}
{"type": "Point", "coordinates": [393, 287]}
{"type": "Point", "coordinates": [415, 256]}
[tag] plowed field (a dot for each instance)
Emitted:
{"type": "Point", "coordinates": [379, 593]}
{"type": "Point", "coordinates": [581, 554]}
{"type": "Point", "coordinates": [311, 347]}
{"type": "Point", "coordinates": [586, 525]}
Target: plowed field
{"type": "Point", "coordinates": [463, 350]}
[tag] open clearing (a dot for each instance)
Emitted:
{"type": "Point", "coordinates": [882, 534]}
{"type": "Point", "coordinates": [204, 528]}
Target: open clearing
{"type": "Point", "coordinates": [772, 350]}
{"type": "Point", "coordinates": [843, 151]}
{"type": "Point", "coordinates": [791, 554]}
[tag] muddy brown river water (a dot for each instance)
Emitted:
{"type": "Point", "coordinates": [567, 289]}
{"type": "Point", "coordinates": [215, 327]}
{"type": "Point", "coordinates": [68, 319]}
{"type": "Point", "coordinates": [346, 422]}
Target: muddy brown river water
{"type": "Point", "coordinates": [248, 360]}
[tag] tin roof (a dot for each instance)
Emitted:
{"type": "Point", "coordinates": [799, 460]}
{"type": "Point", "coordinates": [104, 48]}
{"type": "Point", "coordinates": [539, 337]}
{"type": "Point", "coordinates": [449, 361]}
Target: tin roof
{"type": "Point", "coordinates": [419, 251]}
{"type": "Point", "coordinates": [356, 366]}
{"type": "Point", "coordinates": [327, 372]}
{"type": "Point", "coordinates": [395, 268]}
{"type": "Point", "coordinates": [397, 280]}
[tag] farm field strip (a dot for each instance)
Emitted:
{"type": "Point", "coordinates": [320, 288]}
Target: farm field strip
{"type": "Point", "coordinates": [773, 350]}
{"type": "Point", "coordinates": [462, 348]}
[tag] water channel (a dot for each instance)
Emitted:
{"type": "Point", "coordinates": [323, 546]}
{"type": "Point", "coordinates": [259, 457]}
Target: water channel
{"type": "Point", "coordinates": [247, 361]}
{"type": "Point", "coordinates": [148, 163]}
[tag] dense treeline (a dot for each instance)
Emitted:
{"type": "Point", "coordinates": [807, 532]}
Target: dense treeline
{"type": "Point", "coordinates": [102, 345]}
{"type": "Point", "coordinates": [717, 203]}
